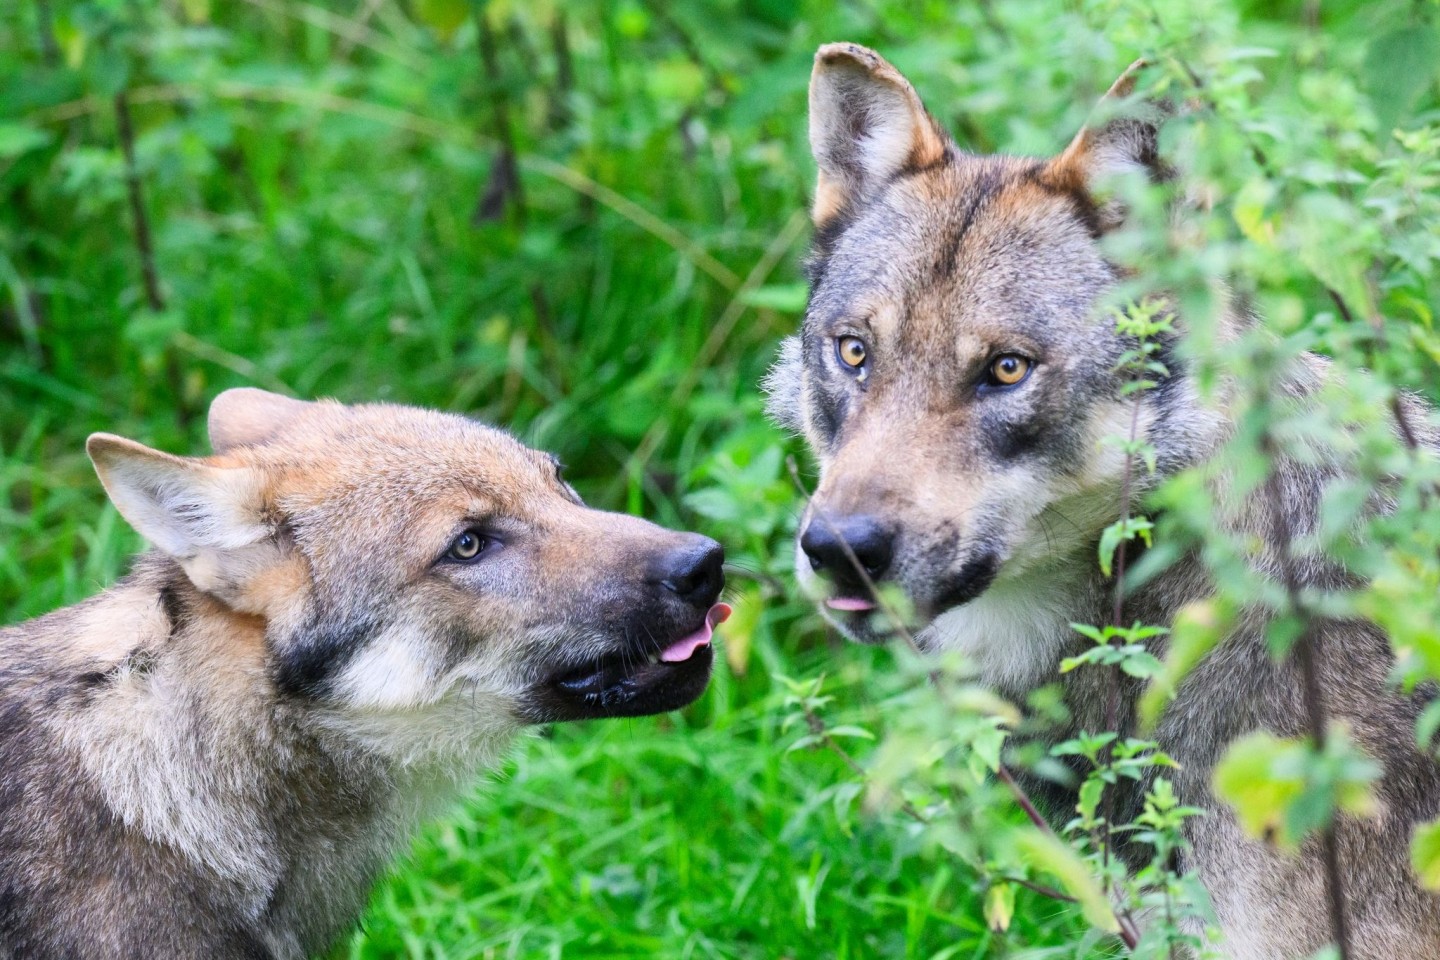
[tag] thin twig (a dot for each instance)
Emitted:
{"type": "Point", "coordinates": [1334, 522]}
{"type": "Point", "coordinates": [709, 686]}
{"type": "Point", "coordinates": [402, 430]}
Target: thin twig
{"type": "Point", "coordinates": [141, 221]}
{"type": "Point", "coordinates": [150, 278]}
{"type": "Point", "coordinates": [45, 24]}
{"type": "Point", "coordinates": [362, 22]}
{"type": "Point", "coordinates": [1117, 619]}
{"type": "Point", "coordinates": [559, 113]}
{"type": "Point", "coordinates": [235, 363]}
{"type": "Point", "coordinates": [1315, 711]}
{"type": "Point", "coordinates": [504, 183]}
{"type": "Point", "coordinates": [1377, 327]}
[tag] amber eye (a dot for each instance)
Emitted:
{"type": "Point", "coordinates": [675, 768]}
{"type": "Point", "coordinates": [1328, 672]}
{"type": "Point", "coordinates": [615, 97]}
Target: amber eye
{"type": "Point", "coordinates": [851, 351]}
{"type": "Point", "coordinates": [1009, 369]}
{"type": "Point", "coordinates": [468, 546]}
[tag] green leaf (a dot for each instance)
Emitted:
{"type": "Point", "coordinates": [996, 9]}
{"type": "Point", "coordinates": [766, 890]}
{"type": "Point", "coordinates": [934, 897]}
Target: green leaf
{"type": "Point", "coordinates": [1197, 628]}
{"type": "Point", "coordinates": [999, 906]}
{"type": "Point", "coordinates": [1282, 633]}
{"type": "Point", "coordinates": [442, 16]}
{"type": "Point", "coordinates": [1425, 854]}
{"type": "Point", "coordinates": [1109, 543]}
{"type": "Point", "coordinates": [1247, 778]}
{"type": "Point", "coordinates": [849, 731]}
{"type": "Point", "coordinates": [987, 744]}
{"type": "Point", "coordinates": [1089, 798]}
{"type": "Point", "coordinates": [1045, 852]}
{"type": "Point", "coordinates": [17, 138]}
{"type": "Point", "coordinates": [1142, 665]}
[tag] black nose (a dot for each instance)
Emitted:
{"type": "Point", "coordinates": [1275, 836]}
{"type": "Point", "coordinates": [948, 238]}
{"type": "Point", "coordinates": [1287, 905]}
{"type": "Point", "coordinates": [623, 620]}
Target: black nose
{"type": "Point", "coordinates": [825, 539]}
{"type": "Point", "coordinates": [693, 571]}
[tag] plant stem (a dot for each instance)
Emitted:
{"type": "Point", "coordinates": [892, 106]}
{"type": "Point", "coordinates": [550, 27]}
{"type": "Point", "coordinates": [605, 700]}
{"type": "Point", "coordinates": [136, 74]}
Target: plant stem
{"type": "Point", "coordinates": [504, 183]}
{"type": "Point", "coordinates": [1315, 712]}
{"type": "Point", "coordinates": [150, 277]}
{"type": "Point", "coordinates": [564, 71]}
{"type": "Point", "coordinates": [45, 24]}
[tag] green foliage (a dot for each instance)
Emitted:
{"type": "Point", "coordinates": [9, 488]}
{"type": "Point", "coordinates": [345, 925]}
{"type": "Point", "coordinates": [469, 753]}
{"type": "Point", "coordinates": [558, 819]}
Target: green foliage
{"type": "Point", "coordinates": [593, 237]}
{"type": "Point", "coordinates": [1284, 790]}
{"type": "Point", "coordinates": [1425, 854]}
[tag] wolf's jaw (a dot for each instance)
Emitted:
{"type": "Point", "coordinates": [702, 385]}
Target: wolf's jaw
{"type": "Point", "coordinates": [1014, 632]}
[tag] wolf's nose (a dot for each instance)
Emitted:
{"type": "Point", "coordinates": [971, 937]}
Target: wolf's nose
{"type": "Point", "coordinates": [693, 572]}
{"type": "Point", "coordinates": [825, 539]}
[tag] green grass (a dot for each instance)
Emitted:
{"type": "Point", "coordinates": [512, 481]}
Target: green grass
{"type": "Point", "coordinates": [311, 173]}
{"type": "Point", "coordinates": [686, 837]}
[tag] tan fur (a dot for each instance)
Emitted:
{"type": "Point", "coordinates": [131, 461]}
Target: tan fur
{"type": "Point", "coordinates": [218, 755]}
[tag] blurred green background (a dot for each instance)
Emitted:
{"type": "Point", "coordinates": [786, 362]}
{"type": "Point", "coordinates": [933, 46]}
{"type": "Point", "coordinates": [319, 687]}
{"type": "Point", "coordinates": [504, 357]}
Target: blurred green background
{"type": "Point", "coordinates": [585, 221]}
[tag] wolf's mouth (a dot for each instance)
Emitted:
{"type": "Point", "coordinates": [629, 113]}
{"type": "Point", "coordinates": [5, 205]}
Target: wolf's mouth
{"type": "Point", "coordinates": [635, 683]}
{"type": "Point", "coordinates": [863, 619]}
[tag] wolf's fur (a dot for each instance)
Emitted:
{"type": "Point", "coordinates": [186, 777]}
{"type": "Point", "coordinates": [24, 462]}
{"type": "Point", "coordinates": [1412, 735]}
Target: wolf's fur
{"type": "Point", "coordinates": [993, 500]}
{"type": "Point", "coordinates": [216, 757]}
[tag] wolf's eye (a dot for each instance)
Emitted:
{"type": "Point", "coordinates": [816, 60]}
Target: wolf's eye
{"type": "Point", "coordinates": [851, 351]}
{"type": "Point", "coordinates": [468, 546]}
{"type": "Point", "coordinates": [1009, 369]}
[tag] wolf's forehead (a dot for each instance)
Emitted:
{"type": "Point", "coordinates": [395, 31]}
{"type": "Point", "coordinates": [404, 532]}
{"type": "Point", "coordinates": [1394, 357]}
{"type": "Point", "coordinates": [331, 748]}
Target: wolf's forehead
{"type": "Point", "coordinates": [406, 453]}
{"type": "Point", "coordinates": [980, 244]}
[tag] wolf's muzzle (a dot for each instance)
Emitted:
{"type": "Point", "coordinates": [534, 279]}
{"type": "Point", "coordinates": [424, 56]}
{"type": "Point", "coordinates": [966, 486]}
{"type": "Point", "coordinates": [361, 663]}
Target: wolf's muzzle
{"type": "Point", "coordinates": [836, 545]}
{"type": "Point", "coordinates": [662, 659]}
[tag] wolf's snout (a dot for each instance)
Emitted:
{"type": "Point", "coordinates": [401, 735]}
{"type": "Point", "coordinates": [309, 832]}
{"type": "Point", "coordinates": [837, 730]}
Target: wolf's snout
{"type": "Point", "coordinates": [693, 571]}
{"type": "Point", "coordinates": [871, 542]}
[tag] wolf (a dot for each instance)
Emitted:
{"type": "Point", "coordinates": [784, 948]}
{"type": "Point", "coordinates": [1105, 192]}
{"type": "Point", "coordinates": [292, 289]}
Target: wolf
{"type": "Point", "coordinates": [954, 382]}
{"type": "Point", "coordinates": [347, 611]}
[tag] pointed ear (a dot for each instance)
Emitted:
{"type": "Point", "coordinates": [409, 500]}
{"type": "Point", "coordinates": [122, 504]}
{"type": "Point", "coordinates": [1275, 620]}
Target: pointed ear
{"type": "Point", "coordinates": [1121, 138]}
{"type": "Point", "coordinates": [246, 416]}
{"type": "Point", "coordinates": [184, 507]}
{"type": "Point", "coordinates": [866, 125]}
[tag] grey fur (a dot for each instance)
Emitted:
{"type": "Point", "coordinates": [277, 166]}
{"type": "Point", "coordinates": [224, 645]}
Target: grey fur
{"type": "Point", "coordinates": [941, 268]}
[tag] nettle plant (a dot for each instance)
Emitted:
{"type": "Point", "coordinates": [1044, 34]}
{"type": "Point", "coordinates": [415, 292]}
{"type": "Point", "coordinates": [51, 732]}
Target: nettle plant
{"type": "Point", "coordinates": [1322, 222]}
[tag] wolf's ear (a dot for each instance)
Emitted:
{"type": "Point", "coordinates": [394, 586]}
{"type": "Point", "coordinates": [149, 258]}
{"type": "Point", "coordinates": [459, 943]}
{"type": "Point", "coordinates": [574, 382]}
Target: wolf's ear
{"type": "Point", "coordinates": [246, 416]}
{"type": "Point", "coordinates": [866, 125]}
{"type": "Point", "coordinates": [1121, 139]}
{"type": "Point", "coordinates": [187, 508]}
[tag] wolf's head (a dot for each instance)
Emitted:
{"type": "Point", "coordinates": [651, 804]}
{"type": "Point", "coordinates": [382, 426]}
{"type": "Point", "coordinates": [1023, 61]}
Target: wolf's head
{"type": "Point", "coordinates": [400, 557]}
{"type": "Point", "coordinates": [953, 375]}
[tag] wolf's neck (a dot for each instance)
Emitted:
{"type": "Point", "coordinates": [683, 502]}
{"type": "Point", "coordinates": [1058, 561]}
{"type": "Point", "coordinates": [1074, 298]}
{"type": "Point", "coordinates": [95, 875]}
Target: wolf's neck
{"type": "Point", "coordinates": [1016, 631]}
{"type": "Point", "coordinates": [190, 745]}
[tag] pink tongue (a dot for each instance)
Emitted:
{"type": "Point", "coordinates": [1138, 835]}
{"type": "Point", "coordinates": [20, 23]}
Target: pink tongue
{"type": "Point", "coordinates": [849, 604]}
{"type": "Point", "coordinates": [684, 648]}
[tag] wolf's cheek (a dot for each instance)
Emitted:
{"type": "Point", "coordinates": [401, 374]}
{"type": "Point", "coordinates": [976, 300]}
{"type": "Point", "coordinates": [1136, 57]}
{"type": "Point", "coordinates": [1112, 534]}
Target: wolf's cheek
{"type": "Point", "coordinates": [397, 670]}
